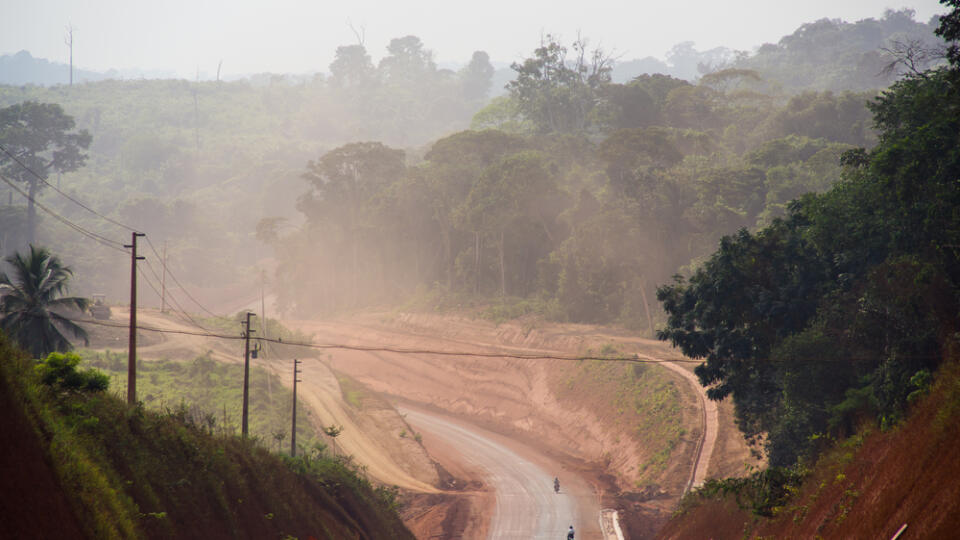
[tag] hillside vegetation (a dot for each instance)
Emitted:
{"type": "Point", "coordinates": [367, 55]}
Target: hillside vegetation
{"type": "Point", "coordinates": [656, 165]}
{"type": "Point", "coordinates": [868, 486]}
{"type": "Point", "coordinates": [108, 470]}
{"type": "Point", "coordinates": [834, 322]}
{"type": "Point", "coordinates": [211, 394]}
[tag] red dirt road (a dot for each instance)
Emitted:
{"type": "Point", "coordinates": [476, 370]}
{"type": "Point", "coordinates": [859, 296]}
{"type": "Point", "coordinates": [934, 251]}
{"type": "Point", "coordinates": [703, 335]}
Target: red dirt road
{"type": "Point", "coordinates": [526, 506]}
{"type": "Point", "coordinates": [514, 397]}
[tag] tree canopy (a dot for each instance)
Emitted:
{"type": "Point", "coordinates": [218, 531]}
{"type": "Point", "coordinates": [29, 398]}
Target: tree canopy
{"type": "Point", "coordinates": [38, 139]}
{"type": "Point", "coordinates": [33, 310]}
{"type": "Point", "coordinates": [843, 307]}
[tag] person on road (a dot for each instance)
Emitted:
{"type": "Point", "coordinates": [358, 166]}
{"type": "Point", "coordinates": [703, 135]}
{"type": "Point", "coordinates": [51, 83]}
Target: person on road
{"type": "Point", "coordinates": [556, 484]}
{"type": "Point", "coordinates": [570, 533]}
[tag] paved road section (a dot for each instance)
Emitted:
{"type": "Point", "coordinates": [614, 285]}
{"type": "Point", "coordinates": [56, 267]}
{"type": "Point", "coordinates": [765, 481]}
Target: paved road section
{"type": "Point", "coordinates": [526, 506]}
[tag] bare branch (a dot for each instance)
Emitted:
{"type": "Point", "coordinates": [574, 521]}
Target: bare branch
{"type": "Point", "coordinates": [361, 35]}
{"type": "Point", "coordinates": [912, 56]}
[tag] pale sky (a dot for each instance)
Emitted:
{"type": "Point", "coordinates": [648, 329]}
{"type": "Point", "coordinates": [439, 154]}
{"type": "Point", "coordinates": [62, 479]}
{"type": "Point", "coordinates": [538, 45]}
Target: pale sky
{"type": "Point", "coordinates": [300, 36]}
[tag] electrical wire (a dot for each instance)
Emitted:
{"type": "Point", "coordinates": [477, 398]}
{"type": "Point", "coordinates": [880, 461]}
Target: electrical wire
{"type": "Point", "coordinates": [177, 281]}
{"type": "Point", "coordinates": [112, 244]}
{"type": "Point", "coordinates": [327, 346]}
{"type": "Point", "coordinates": [95, 236]}
{"type": "Point", "coordinates": [71, 199]}
{"type": "Point", "coordinates": [182, 313]}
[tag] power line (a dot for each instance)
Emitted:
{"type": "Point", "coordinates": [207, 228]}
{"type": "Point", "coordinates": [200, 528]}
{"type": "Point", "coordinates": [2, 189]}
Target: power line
{"type": "Point", "coordinates": [177, 281]}
{"type": "Point", "coordinates": [360, 348]}
{"type": "Point", "coordinates": [636, 359]}
{"type": "Point", "coordinates": [112, 244]}
{"type": "Point", "coordinates": [102, 216]}
{"type": "Point", "coordinates": [182, 313]}
{"type": "Point", "coordinates": [71, 199]}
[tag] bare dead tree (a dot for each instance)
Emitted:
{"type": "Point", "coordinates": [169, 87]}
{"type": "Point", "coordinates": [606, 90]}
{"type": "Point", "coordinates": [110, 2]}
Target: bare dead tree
{"type": "Point", "coordinates": [68, 40]}
{"type": "Point", "coordinates": [913, 56]}
{"type": "Point", "coordinates": [360, 35]}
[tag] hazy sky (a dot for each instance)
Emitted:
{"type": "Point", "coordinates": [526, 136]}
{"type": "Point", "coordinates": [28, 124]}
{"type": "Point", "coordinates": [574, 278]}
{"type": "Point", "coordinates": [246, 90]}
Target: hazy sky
{"type": "Point", "coordinates": [298, 36]}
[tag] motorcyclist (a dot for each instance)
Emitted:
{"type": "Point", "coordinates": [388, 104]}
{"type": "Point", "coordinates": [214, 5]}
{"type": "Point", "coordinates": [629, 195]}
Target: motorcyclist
{"type": "Point", "coordinates": [556, 485]}
{"type": "Point", "coordinates": [570, 533]}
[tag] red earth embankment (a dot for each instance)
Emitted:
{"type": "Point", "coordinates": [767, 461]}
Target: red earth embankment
{"type": "Point", "coordinates": [608, 420]}
{"type": "Point", "coordinates": [868, 487]}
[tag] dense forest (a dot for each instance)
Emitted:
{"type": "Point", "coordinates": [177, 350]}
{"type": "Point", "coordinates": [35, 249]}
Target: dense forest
{"type": "Point", "coordinates": [570, 195]}
{"type": "Point", "coordinates": [574, 196]}
{"type": "Point", "coordinates": [840, 311]}
{"type": "Point", "coordinates": [788, 215]}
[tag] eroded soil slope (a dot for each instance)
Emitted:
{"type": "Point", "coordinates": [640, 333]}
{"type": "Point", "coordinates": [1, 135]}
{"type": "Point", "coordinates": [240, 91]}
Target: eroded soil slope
{"type": "Point", "coordinates": [550, 404]}
{"type": "Point", "coordinates": [868, 487]}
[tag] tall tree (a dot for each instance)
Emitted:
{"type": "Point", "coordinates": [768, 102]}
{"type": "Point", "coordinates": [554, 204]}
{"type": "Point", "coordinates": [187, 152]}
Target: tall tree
{"type": "Point", "coordinates": [40, 139]}
{"type": "Point", "coordinates": [454, 165]}
{"type": "Point", "coordinates": [349, 184]}
{"type": "Point", "coordinates": [508, 195]}
{"type": "Point", "coordinates": [351, 67]}
{"type": "Point", "coordinates": [407, 61]}
{"type": "Point", "coordinates": [949, 30]}
{"type": "Point", "coordinates": [32, 300]}
{"type": "Point", "coordinates": [477, 76]}
{"type": "Point", "coordinates": [557, 94]}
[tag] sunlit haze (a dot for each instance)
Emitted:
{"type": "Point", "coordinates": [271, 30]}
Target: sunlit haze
{"type": "Point", "coordinates": [290, 36]}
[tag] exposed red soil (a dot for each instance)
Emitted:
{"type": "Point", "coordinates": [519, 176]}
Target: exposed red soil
{"type": "Point", "coordinates": [516, 397]}
{"type": "Point", "coordinates": [32, 502]}
{"type": "Point", "coordinates": [907, 476]}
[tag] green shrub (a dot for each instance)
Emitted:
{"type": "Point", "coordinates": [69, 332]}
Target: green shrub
{"type": "Point", "coordinates": [60, 370]}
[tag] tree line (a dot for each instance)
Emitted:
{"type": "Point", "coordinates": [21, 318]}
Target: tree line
{"type": "Point", "coordinates": [841, 310]}
{"type": "Point", "coordinates": [574, 193]}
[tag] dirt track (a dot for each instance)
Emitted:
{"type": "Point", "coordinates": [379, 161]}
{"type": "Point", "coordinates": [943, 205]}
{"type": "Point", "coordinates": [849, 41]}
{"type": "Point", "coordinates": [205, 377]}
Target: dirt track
{"type": "Point", "coordinates": [513, 396]}
{"type": "Point", "coordinates": [525, 504]}
{"type": "Point", "coordinates": [507, 395]}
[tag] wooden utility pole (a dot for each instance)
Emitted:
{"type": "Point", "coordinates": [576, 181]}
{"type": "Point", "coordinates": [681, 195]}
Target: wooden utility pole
{"type": "Point", "coordinates": [246, 373]}
{"type": "Point", "coordinates": [263, 329]}
{"type": "Point", "coordinates": [132, 350]}
{"type": "Point", "coordinates": [163, 281]}
{"type": "Point", "coordinates": [293, 427]}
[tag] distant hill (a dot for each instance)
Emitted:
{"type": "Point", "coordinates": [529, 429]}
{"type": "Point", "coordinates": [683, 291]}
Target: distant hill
{"type": "Point", "coordinates": [22, 68]}
{"type": "Point", "coordinates": [827, 54]}
{"type": "Point", "coordinates": [831, 54]}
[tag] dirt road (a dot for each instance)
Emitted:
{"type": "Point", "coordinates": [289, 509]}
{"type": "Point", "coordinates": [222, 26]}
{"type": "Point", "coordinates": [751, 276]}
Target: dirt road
{"type": "Point", "coordinates": [526, 505]}
{"type": "Point", "coordinates": [710, 427]}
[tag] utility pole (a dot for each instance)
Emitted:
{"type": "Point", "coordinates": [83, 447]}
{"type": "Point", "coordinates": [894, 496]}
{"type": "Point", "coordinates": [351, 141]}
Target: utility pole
{"type": "Point", "coordinates": [132, 351]}
{"type": "Point", "coordinates": [246, 373]}
{"type": "Point", "coordinates": [69, 42]}
{"type": "Point", "coordinates": [293, 428]}
{"type": "Point", "coordinates": [163, 281]}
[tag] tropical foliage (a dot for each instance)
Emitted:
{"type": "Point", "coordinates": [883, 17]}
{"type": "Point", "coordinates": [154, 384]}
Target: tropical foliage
{"type": "Point", "coordinates": [32, 306]}
{"type": "Point", "coordinates": [584, 215]}
{"type": "Point", "coordinates": [840, 310]}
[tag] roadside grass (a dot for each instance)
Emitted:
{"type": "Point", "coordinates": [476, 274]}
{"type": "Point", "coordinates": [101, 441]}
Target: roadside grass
{"type": "Point", "coordinates": [167, 472]}
{"type": "Point", "coordinates": [645, 401]}
{"type": "Point", "coordinates": [352, 391]}
{"type": "Point", "coordinates": [211, 393]}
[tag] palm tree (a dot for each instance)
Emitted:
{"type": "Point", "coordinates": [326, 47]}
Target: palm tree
{"type": "Point", "coordinates": [29, 303]}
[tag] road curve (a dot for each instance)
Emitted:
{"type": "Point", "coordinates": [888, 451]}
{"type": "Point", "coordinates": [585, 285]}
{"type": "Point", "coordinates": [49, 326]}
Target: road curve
{"type": "Point", "coordinates": [709, 428]}
{"type": "Point", "coordinates": [526, 506]}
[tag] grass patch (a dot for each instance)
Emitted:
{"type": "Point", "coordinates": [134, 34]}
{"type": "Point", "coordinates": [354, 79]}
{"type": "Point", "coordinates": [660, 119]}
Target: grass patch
{"type": "Point", "coordinates": [164, 472]}
{"type": "Point", "coordinates": [211, 393]}
{"type": "Point", "coordinates": [352, 391]}
{"type": "Point", "coordinates": [645, 400]}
